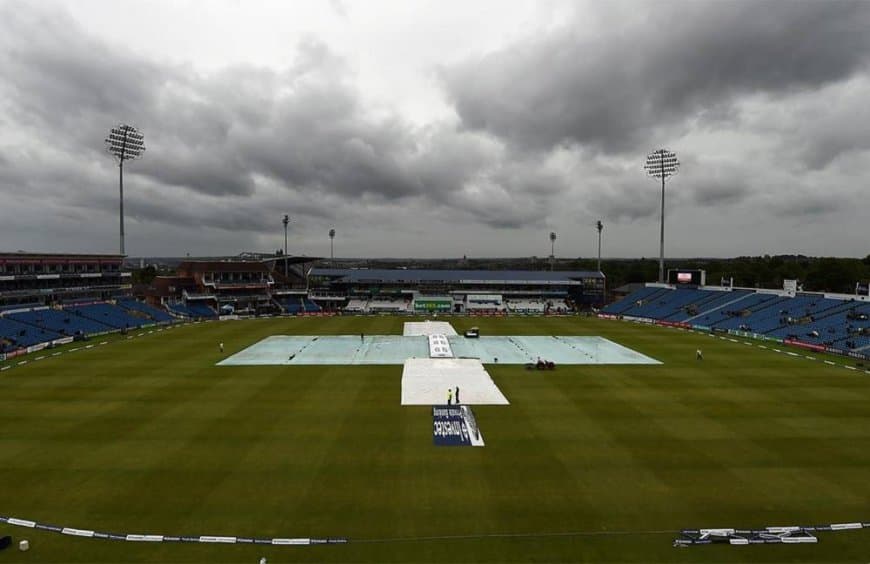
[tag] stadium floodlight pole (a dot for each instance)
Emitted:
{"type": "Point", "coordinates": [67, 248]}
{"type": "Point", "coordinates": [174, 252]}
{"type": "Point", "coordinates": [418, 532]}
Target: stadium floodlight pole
{"type": "Point", "coordinates": [125, 143]}
{"type": "Point", "coordinates": [552, 249]}
{"type": "Point", "coordinates": [285, 221]}
{"type": "Point", "coordinates": [663, 164]}
{"type": "Point", "coordinates": [331, 248]}
{"type": "Point", "coordinates": [600, 227]}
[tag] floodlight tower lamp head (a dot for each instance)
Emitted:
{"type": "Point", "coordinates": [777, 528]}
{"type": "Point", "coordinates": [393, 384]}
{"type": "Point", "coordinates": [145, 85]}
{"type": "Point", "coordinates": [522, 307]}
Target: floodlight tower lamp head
{"type": "Point", "coordinates": [662, 163]}
{"type": "Point", "coordinates": [125, 143]}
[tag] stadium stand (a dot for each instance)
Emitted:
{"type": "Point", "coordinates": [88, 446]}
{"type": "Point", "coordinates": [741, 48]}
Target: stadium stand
{"type": "Point", "coordinates": [387, 305]}
{"type": "Point", "coordinates": [291, 305]}
{"type": "Point", "coordinates": [837, 324]}
{"type": "Point", "coordinates": [357, 306]}
{"type": "Point", "coordinates": [59, 321]}
{"type": "Point", "coordinates": [526, 306]}
{"type": "Point", "coordinates": [136, 306]}
{"type": "Point", "coordinates": [192, 309]}
{"type": "Point", "coordinates": [111, 315]}
{"type": "Point", "coordinates": [15, 335]}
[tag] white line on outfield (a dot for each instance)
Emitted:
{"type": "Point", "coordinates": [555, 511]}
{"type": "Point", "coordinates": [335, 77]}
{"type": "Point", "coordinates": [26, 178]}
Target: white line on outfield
{"type": "Point", "coordinates": [57, 354]}
{"type": "Point", "coordinates": [747, 344]}
{"type": "Point", "coordinates": [789, 353]}
{"type": "Point", "coordinates": [140, 334]}
{"type": "Point", "coordinates": [75, 349]}
{"type": "Point", "coordinates": [22, 362]}
{"type": "Point", "coordinates": [810, 357]}
{"type": "Point", "coordinates": [104, 343]}
{"type": "Point", "coordinates": [762, 347]}
{"type": "Point", "coordinates": [89, 347]}
{"type": "Point", "coordinates": [40, 358]}
{"type": "Point", "coordinates": [129, 337]}
{"type": "Point", "coordinates": [829, 362]}
{"type": "Point", "coordinates": [5, 368]}
{"type": "Point", "coordinates": [733, 340]}
{"type": "Point", "coordinates": [850, 367]}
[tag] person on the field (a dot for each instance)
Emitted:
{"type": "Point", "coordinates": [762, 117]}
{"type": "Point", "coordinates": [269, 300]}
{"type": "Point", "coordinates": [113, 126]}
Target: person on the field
{"type": "Point", "coordinates": [457, 395]}
{"type": "Point", "coordinates": [222, 347]}
{"type": "Point", "coordinates": [449, 396]}
{"type": "Point", "coordinates": [699, 355]}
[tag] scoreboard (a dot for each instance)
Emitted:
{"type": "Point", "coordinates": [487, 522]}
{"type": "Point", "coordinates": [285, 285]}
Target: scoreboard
{"type": "Point", "coordinates": [687, 277]}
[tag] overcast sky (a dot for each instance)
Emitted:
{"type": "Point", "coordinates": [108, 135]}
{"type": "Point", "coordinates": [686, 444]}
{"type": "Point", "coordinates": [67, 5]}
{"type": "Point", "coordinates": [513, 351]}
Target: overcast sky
{"type": "Point", "coordinates": [437, 129]}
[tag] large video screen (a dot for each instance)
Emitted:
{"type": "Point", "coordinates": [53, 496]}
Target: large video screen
{"type": "Point", "coordinates": [687, 277]}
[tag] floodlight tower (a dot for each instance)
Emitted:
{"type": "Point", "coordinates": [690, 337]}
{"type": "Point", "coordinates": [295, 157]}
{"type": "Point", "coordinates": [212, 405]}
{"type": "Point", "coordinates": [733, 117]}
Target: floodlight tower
{"type": "Point", "coordinates": [552, 249]}
{"type": "Point", "coordinates": [331, 248]}
{"type": "Point", "coordinates": [663, 164]}
{"type": "Point", "coordinates": [600, 227]}
{"type": "Point", "coordinates": [286, 222]}
{"type": "Point", "coordinates": [125, 143]}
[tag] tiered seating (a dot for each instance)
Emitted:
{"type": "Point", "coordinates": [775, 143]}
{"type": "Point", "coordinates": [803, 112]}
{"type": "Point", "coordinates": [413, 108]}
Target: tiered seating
{"type": "Point", "coordinates": [731, 311]}
{"type": "Point", "coordinates": [663, 304]}
{"type": "Point", "coordinates": [811, 318]}
{"type": "Point", "coordinates": [630, 301]}
{"type": "Point", "coordinates": [310, 306]}
{"type": "Point", "coordinates": [152, 312]}
{"type": "Point", "coordinates": [111, 315]}
{"type": "Point", "coordinates": [15, 335]}
{"type": "Point", "coordinates": [709, 304]}
{"type": "Point", "coordinates": [388, 305]}
{"type": "Point", "coordinates": [59, 321]}
{"type": "Point", "coordinates": [526, 306]}
{"type": "Point", "coordinates": [818, 314]}
{"type": "Point", "coordinates": [200, 309]}
{"type": "Point", "coordinates": [192, 309]}
{"type": "Point", "coordinates": [291, 305]}
{"type": "Point", "coordinates": [357, 306]}
{"type": "Point", "coordinates": [745, 320]}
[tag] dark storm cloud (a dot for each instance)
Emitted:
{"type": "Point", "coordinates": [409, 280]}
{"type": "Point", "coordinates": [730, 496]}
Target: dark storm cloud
{"type": "Point", "coordinates": [678, 62]}
{"type": "Point", "coordinates": [304, 128]}
{"type": "Point", "coordinates": [548, 131]}
{"type": "Point", "coordinates": [207, 133]}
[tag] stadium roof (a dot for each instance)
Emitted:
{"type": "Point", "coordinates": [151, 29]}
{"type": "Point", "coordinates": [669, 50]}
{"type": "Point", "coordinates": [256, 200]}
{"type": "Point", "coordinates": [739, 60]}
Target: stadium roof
{"type": "Point", "coordinates": [64, 256]}
{"type": "Point", "coordinates": [422, 275]}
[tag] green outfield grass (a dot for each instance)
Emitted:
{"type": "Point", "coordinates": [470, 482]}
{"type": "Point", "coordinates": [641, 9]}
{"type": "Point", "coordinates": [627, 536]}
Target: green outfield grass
{"type": "Point", "coordinates": [147, 435]}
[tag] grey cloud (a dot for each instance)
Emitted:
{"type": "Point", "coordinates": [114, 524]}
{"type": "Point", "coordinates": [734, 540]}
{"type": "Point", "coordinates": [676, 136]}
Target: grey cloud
{"type": "Point", "coordinates": [718, 193]}
{"type": "Point", "coordinates": [656, 71]}
{"type": "Point", "coordinates": [549, 132]}
{"type": "Point", "coordinates": [808, 206]}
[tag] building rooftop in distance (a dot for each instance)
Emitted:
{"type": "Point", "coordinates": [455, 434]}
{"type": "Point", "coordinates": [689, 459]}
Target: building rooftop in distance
{"type": "Point", "coordinates": [420, 275]}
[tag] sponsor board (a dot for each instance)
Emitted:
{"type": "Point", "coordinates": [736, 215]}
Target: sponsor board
{"type": "Point", "coordinates": [36, 348]}
{"type": "Point", "coordinates": [12, 354]}
{"type": "Point", "coordinates": [679, 324]}
{"type": "Point", "coordinates": [454, 425]}
{"type": "Point", "coordinates": [803, 345]}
